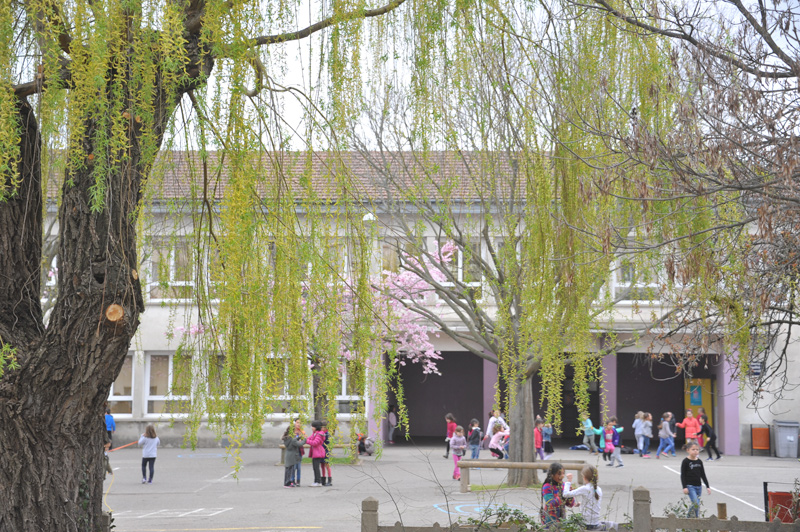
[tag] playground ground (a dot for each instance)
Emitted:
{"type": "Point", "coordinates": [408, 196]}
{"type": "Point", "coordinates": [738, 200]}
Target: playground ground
{"type": "Point", "coordinates": [198, 490]}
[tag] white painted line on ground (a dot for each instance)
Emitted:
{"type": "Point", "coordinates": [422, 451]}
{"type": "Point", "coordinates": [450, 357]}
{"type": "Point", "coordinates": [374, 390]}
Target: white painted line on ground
{"type": "Point", "coordinates": [198, 490]}
{"type": "Point", "coordinates": [722, 492]}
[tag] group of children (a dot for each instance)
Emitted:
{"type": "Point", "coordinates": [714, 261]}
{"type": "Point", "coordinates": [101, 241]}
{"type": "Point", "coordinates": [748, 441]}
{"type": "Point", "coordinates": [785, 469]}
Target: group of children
{"type": "Point", "coordinates": [557, 493]}
{"type": "Point", "coordinates": [294, 440]}
{"type": "Point", "coordinates": [697, 429]}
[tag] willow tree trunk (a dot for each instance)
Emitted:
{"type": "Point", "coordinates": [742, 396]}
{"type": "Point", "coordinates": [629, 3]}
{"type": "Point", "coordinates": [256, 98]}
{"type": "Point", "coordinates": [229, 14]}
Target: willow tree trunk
{"type": "Point", "coordinates": [51, 406]}
{"type": "Point", "coordinates": [522, 448]}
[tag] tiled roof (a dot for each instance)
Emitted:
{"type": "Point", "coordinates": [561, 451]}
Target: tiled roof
{"type": "Point", "coordinates": [326, 176]}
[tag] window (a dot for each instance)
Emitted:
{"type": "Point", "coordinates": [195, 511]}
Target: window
{"type": "Point", "coordinates": [120, 397]}
{"type": "Point", "coordinates": [465, 267]}
{"type": "Point", "coordinates": [351, 396]}
{"type": "Point", "coordinates": [171, 269]}
{"type": "Point", "coordinates": [390, 255]}
{"type": "Point", "coordinates": [635, 283]}
{"type": "Point", "coordinates": [169, 383]}
{"type": "Point", "coordinates": [284, 394]}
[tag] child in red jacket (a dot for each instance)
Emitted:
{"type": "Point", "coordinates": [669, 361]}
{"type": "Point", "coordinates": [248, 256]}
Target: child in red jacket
{"type": "Point", "coordinates": [692, 427]}
{"type": "Point", "coordinates": [538, 441]}
{"type": "Point", "coordinates": [450, 419]}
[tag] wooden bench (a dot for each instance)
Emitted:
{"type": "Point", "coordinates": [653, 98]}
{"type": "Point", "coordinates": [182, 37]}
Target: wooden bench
{"type": "Point", "coordinates": [332, 446]}
{"type": "Point", "coordinates": [466, 465]}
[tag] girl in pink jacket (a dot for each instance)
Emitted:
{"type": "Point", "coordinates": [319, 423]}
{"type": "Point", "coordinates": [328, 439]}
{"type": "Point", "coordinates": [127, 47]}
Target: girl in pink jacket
{"type": "Point", "coordinates": [317, 443]}
{"type": "Point", "coordinates": [496, 443]}
{"type": "Point", "coordinates": [537, 439]}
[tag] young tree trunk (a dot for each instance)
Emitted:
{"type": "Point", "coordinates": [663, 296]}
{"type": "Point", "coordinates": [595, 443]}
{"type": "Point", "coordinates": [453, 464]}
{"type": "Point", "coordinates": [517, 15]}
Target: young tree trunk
{"type": "Point", "coordinates": [522, 448]}
{"type": "Point", "coordinates": [51, 407]}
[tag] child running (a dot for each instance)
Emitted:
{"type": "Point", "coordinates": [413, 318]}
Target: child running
{"type": "Point", "coordinates": [588, 498]}
{"type": "Point", "coordinates": [553, 502]}
{"type": "Point", "coordinates": [474, 439]}
{"type": "Point", "coordinates": [711, 437]}
{"type": "Point", "coordinates": [647, 433]}
{"type": "Point", "coordinates": [496, 443]}
{"type": "Point", "coordinates": [607, 440]}
{"type": "Point", "coordinates": [691, 426]}
{"type": "Point", "coordinates": [693, 476]}
{"type": "Point", "coordinates": [458, 445]}
{"type": "Point", "coordinates": [667, 443]}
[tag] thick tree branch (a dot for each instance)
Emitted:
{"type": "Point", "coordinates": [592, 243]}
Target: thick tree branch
{"type": "Point", "coordinates": [321, 25]}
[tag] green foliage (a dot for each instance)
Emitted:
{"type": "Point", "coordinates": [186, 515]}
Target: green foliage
{"type": "Point", "coordinates": [8, 358]}
{"type": "Point", "coordinates": [492, 517]}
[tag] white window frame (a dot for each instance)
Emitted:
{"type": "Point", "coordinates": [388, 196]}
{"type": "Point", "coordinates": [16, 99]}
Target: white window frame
{"type": "Point", "coordinates": [124, 398]}
{"type": "Point", "coordinates": [459, 268]}
{"type": "Point", "coordinates": [156, 244]}
{"type": "Point", "coordinates": [147, 398]}
{"type": "Point", "coordinates": [620, 286]}
{"type": "Point", "coordinates": [345, 397]}
{"type": "Point", "coordinates": [284, 416]}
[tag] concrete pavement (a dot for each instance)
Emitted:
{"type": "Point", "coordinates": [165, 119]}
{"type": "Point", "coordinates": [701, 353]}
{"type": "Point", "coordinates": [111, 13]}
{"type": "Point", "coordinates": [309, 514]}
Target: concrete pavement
{"type": "Point", "coordinates": [198, 490]}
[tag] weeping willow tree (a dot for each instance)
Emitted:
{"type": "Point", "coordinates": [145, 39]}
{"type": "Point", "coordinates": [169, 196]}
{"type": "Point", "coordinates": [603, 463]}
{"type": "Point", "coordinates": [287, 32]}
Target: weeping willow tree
{"type": "Point", "coordinates": [91, 91]}
{"type": "Point", "coordinates": [512, 214]}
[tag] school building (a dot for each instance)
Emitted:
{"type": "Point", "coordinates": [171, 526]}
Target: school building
{"type": "Point", "coordinates": [146, 391]}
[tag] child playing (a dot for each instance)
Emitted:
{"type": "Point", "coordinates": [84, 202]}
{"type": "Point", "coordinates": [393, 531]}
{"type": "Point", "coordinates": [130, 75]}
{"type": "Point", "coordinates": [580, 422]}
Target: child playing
{"type": "Point", "coordinates": [588, 498]}
{"type": "Point", "coordinates": [496, 444]}
{"type": "Point", "coordinates": [450, 419]}
{"type": "Point", "coordinates": [149, 443]}
{"type": "Point", "coordinates": [617, 452]}
{"type": "Point", "coordinates": [391, 418]}
{"type": "Point", "coordinates": [458, 444]}
{"type": "Point", "coordinates": [317, 451]}
{"type": "Point", "coordinates": [711, 437]}
{"type": "Point", "coordinates": [589, 433]}
{"type": "Point", "coordinates": [638, 419]}
{"type": "Point", "coordinates": [667, 442]}
{"type": "Point", "coordinates": [537, 439]}
{"type": "Point", "coordinates": [327, 479]}
{"type": "Point", "coordinates": [553, 502]}
{"type": "Point", "coordinates": [700, 413]}
{"type": "Point", "coordinates": [547, 438]}
{"type": "Point", "coordinates": [647, 433]}
{"type": "Point", "coordinates": [301, 452]}
{"type": "Point", "coordinates": [365, 445]}
{"type": "Point", "coordinates": [291, 444]}
{"type": "Point", "coordinates": [607, 440]}
{"type": "Point", "coordinates": [474, 439]}
{"type": "Point", "coordinates": [610, 441]}
{"type": "Point", "coordinates": [692, 474]}
{"type": "Point", "coordinates": [692, 427]}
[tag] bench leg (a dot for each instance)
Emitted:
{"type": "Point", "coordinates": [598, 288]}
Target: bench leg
{"type": "Point", "coordinates": [464, 480]}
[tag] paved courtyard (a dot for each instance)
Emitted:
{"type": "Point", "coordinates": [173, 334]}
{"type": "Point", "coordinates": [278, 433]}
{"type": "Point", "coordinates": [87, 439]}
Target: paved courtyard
{"type": "Point", "coordinates": [196, 490]}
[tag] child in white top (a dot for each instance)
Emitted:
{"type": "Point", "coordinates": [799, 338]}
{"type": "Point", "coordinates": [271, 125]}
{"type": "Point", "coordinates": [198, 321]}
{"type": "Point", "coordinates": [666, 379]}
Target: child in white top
{"type": "Point", "coordinates": [588, 496]}
{"type": "Point", "coordinates": [149, 443]}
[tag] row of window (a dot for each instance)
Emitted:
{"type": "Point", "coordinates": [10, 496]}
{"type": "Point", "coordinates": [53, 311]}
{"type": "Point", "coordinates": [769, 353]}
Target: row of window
{"type": "Point", "coordinates": [172, 382]}
{"type": "Point", "coordinates": [172, 269]}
